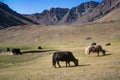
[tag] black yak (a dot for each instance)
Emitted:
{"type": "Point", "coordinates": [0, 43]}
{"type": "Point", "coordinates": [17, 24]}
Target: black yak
{"type": "Point", "coordinates": [66, 56]}
{"type": "Point", "coordinates": [16, 51]}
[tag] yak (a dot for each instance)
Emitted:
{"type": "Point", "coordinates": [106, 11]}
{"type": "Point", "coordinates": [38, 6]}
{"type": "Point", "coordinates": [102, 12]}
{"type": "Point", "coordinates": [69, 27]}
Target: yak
{"type": "Point", "coordinates": [95, 48]}
{"type": "Point", "coordinates": [66, 56]}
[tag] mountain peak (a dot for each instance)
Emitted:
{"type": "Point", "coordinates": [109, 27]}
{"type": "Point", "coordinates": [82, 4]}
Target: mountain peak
{"type": "Point", "coordinates": [56, 16]}
{"type": "Point", "coordinates": [81, 10]}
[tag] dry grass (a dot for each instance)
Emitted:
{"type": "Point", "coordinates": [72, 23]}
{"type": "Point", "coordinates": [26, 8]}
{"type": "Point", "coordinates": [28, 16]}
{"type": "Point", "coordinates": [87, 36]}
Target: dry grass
{"type": "Point", "coordinates": [33, 34]}
{"type": "Point", "coordinates": [70, 38]}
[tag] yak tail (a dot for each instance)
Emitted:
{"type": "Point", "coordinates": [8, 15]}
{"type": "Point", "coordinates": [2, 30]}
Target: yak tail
{"type": "Point", "coordinates": [53, 60]}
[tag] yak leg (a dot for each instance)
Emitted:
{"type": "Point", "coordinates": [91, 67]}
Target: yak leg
{"type": "Point", "coordinates": [98, 54]}
{"type": "Point", "coordinates": [103, 51]}
{"type": "Point", "coordinates": [89, 52]}
{"type": "Point", "coordinates": [55, 64]}
{"type": "Point", "coordinates": [68, 63]}
{"type": "Point", "coordinates": [58, 63]}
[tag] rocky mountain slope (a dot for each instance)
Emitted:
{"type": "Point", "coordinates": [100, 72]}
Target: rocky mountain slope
{"type": "Point", "coordinates": [105, 7]}
{"type": "Point", "coordinates": [112, 16]}
{"type": "Point", "coordinates": [85, 12]}
{"type": "Point", "coordinates": [56, 16]}
{"type": "Point", "coordinates": [8, 17]}
{"type": "Point", "coordinates": [49, 17]}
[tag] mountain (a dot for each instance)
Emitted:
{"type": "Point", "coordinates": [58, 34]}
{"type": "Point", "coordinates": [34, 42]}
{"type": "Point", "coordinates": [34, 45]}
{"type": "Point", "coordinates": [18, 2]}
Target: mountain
{"type": "Point", "coordinates": [112, 16]}
{"type": "Point", "coordinates": [49, 17]}
{"type": "Point", "coordinates": [77, 12]}
{"type": "Point", "coordinates": [58, 16]}
{"type": "Point", "coordinates": [83, 13]}
{"type": "Point", "coordinates": [105, 7]}
{"type": "Point", "coordinates": [8, 17]}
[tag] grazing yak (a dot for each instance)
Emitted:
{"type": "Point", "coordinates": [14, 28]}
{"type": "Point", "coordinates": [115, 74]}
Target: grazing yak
{"type": "Point", "coordinates": [39, 47]}
{"type": "Point", "coordinates": [108, 44]}
{"type": "Point", "coordinates": [66, 56]}
{"type": "Point", "coordinates": [95, 48]}
{"type": "Point", "coordinates": [8, 50]}
{"type": "Point", "coordinates": [93, 43]}
{"type": "Point", "coordinates": [0, 50]}
{"type": "Point", "coordinates": [16, 51]}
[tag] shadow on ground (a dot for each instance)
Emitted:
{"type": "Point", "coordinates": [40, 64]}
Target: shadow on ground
{"type": "Point", "coordinates": [74, 66]}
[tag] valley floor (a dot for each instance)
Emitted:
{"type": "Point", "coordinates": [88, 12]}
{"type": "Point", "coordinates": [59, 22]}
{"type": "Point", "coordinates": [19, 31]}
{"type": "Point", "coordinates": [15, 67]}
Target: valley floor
{"type": "Point", "coordinates": [38, 66]}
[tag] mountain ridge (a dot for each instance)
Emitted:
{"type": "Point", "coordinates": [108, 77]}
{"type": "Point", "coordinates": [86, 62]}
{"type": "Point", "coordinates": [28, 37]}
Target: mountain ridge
{"type": "Point", "coordinates": [83, 13]}
{"type": "Point", "coordinates": [51, 17]}
{"type": "Point", "coordinates": [8, 17]}
{"type": "Point", "coordinates": [100, 11]}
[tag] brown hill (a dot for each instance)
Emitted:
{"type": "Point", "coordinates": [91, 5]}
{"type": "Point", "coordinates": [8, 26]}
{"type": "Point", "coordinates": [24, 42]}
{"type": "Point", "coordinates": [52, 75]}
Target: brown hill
{"type": "Point", "coordinates": [8, 17]}
{"type": "Point", "coordinates": [112, 16]}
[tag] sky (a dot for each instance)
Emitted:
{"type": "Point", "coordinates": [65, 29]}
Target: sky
{"type": "Point", "coordinates": [37, 6]}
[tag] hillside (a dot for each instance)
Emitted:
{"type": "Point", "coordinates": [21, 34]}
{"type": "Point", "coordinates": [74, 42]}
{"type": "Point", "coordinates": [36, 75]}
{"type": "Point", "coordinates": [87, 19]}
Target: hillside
{"type": "Point", "coordinates": [105, 7]}
{"type": "Point", "coordinates": [37, 34]}
{"type": "Point", "coordinates": [8, 17]}
{"type": "Point", "coordinates": [112, 16]}
{"type": "Point", "coordinates": [38, 66]}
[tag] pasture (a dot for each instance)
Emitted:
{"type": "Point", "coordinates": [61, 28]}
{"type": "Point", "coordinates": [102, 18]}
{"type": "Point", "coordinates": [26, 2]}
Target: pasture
{"type": "Point", "coordinates": [38, 66]}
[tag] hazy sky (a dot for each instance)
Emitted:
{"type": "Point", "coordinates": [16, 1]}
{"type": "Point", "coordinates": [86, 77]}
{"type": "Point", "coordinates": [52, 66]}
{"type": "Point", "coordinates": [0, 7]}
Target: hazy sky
{"type": "Point", "coordinates": [37, 6]}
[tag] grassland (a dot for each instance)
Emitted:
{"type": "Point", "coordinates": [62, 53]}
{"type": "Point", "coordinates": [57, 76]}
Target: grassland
{"type": "Point", "coordinates": [38, 66]}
